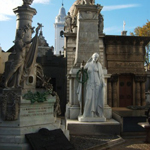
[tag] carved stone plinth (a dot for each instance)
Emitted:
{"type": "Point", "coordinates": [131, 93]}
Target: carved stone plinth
{"type": "Point", "coordinates": [22, 118]}
{"type": "Point", "coordinates": [110, 126]}
{"type": "Point", "coordinates": [91, 119]}
{"type": "Point", "coordinates": [10, 105]}
{"type": "Point", "coordinates": [73, 108]}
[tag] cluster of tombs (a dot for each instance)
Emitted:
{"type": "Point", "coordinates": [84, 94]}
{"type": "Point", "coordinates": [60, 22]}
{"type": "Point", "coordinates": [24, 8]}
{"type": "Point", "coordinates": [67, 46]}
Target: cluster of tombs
{"type": "Point", "coordinates": [121, 56]}
{"type": "Point", "coordinates": [96, 73]}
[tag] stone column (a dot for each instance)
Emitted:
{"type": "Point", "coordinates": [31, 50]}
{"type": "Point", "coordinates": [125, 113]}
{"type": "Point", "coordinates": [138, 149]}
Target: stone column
{"type": "Point", "coordinates": [143, 100]}
{"type": "Point", "coordinates": [109, 93]}
{"type": "Point", "coordinates": [24, 15]}
{"type": "Point", "coordinates": [114, 79]}
{"type": "Point", "coordinates": [137, 94]}
{"type": "Point", "coordinates": [70, 91]}
{"type": "Point", "coordinates": [107, 108]}
{"type": "Point", "coordinates": [73, 108]}
{"type": "Point", "coordinates": [140, 90]}
{"type": "Point", "coordinates": [115, 104]}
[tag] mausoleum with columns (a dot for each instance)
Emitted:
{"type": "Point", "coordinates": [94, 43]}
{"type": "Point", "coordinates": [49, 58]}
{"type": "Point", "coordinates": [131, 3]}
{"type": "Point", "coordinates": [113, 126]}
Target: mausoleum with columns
{"type": "Point", "coordinates": [122, 59]}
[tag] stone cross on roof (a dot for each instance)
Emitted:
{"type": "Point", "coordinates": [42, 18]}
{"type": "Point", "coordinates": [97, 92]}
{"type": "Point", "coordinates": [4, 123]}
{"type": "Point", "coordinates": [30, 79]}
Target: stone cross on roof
{"type": "Point", "coordinates": [124, 23]}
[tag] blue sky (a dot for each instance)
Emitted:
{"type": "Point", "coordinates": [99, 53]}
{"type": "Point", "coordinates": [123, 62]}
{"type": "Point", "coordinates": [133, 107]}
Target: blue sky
{"type": "Point", "coordinates": [133, 12]}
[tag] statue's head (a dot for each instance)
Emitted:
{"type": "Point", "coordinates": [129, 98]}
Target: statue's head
{"type": "Point", "coordinates": [95, 57]}
{"type": "Point", "coordinates": [27, 2]}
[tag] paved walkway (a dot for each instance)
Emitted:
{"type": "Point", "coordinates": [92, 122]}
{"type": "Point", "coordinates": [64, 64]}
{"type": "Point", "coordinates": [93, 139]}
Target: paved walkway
{"type": "Point", "coordinates": [108, 142]}
{"type": "Point", "coordinates": [131, 144]}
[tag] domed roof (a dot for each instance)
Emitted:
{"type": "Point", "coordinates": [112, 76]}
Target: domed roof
{"type": "Point", "coordinates": [61, 16]}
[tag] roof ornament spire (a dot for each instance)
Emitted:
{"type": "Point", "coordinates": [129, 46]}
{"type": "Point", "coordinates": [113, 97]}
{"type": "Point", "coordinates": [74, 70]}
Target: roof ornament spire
{"type": "Point", "coordinates": [124, 32]}
{"type": "Point", "coordinates": [62, 3]}
{"type": "Point", "coordinates": [124, 23]}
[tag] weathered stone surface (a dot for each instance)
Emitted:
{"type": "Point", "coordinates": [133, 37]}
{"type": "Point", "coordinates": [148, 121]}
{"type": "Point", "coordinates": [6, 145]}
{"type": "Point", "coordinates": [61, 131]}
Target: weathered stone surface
{"type": "Point", "coordinates": [87, 35]}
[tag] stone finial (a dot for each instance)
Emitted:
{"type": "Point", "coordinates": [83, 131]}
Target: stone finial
{"type": "Point", "coordinates": [27, 2]}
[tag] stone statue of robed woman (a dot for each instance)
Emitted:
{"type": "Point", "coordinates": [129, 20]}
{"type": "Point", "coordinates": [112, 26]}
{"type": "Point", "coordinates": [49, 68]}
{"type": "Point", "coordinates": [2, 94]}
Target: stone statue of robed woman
{"type": "Point", "coordinates": [94, 91]}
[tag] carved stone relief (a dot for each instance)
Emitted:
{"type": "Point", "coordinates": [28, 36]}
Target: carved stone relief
{"type": "Point", "coordinates": [88, 2]}
{"type": "Point", "coordinates": [125, 64]}
{"type": "Point", "coordinates": [10, 106]}
{"type": "Point", "coordinates": [114, 78]}
{"type": "Point", "coordinates": [88, 15]}
{"type": "Point", "coordinates": [140, 78]}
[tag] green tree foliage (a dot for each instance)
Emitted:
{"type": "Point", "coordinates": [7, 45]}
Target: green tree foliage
{"type": "Point", "coordinates": [144, 31]}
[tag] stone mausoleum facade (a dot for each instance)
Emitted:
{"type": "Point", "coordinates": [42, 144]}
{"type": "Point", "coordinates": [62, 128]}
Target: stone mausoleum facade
{"type": "Point", "coordinates": [121, 56]}
{"type": "Point", "coordinates": [125, 62]}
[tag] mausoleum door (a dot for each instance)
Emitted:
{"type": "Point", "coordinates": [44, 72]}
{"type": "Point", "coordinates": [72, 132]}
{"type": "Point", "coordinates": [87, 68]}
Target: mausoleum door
{"type": "Point", "coordinates": [125, 90]}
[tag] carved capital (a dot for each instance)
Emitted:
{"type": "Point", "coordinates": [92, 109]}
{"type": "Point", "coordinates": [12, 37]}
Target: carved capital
{"type": "Point", "coordinates": [139, 78]}
{"type": "Point", "coordinates": [114, 78]}
{"type": "Point", "coordinates": [25, 17]}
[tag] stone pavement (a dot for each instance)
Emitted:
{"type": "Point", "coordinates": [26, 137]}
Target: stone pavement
{"type": "Point", "coordinates": [109, 142]}
{"type": "Point", "coordinates": [131, 144]}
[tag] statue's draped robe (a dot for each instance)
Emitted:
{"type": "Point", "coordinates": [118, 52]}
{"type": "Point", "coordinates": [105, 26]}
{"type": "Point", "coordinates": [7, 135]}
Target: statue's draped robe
{"type": "Point", "coordinates": [30, 60]}
{"type": "Point", "coordinates": [94, 90]}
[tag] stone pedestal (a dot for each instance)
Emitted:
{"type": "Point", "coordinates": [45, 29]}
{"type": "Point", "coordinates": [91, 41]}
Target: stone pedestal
{"type": "Point", "coordinates": [110, 126]}
{"type": "Point", "coordinates": [28, 118]}
{"type": "Point", "coordinates": [91, 119]}
{"type": "Point", "coordinates": [107, 108]}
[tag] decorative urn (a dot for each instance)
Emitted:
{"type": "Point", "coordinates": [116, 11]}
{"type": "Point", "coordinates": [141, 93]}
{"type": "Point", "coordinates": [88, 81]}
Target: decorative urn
{"type": "Point", "coordinates": [27, 2]}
